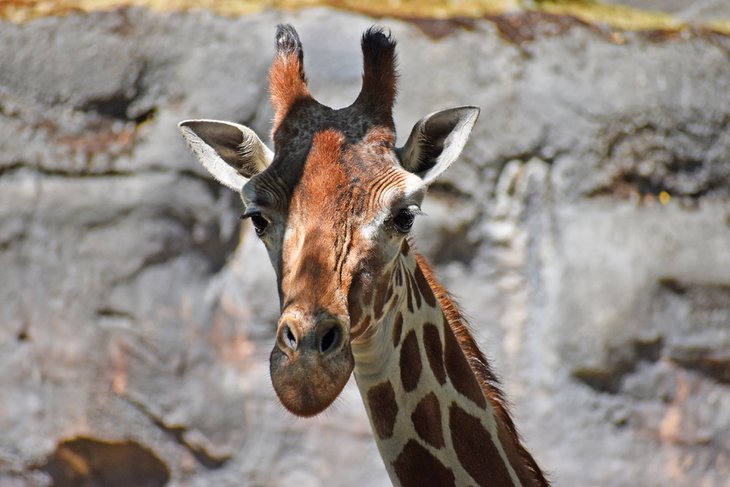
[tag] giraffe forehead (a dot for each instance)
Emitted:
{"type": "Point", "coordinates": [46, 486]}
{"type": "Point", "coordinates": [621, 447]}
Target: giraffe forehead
{"type": "Point", "coordinates": [348, 179]}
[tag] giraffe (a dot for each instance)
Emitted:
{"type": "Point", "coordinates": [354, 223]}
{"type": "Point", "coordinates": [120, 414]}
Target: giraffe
{"type": "Point", "coordinates": [334, 204]}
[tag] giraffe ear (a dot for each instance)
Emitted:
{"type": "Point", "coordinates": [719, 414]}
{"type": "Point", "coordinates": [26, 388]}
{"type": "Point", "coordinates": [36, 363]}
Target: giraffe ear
{"type": "Point", "coordinates": [436, 141]}
{"type": "Point", "coordinates": [231, 152]}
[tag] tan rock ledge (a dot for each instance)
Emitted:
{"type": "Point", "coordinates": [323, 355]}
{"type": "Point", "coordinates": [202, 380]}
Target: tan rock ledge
{"type": "Point", "coordinates": [616, 16]}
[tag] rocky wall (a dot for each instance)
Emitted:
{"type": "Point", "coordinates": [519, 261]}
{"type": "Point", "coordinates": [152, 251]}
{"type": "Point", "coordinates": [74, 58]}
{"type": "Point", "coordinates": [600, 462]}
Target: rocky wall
{"type": "Point", "coordinates": [585, 231]}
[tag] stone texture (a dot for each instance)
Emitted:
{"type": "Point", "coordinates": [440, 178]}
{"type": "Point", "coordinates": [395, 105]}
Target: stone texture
{"type": "Point", "coordinates": [585, 230]}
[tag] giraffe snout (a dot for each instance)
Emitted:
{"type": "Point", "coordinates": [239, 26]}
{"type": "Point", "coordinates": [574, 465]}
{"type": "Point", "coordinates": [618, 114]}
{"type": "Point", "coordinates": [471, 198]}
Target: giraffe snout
{"type": "Point", "coordinates": [311, 361]}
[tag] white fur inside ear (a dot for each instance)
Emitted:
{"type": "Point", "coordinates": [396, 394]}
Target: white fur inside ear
{"type": "Point", "coordinates": [209, 158]}
{"type": "Point", "coordinates": [436, 141]}
{"type": "Point", "coordinates": [252, 147]}
{"type": "Point", "coordinates": [453, 145]}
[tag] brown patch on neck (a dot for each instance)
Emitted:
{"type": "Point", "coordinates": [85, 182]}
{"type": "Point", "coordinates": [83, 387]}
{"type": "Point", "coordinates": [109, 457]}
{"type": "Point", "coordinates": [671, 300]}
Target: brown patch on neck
{"type": "Point", "coordinates": [383, 409]}
{"type": "Point", "coordinates": [409, 295]}
{"type": "Point", "coordinates": [417, 467]}
{"type": "Point", "coordinates": [434, 351]}
{"type": "Point", "coordinates": [410, 362]}
{"type": "Point", "coordinates": [460, 372]}
{"type": "Point", "coordinates": [476, 450]}
{"type": "Point", "coordinates": [423, 286]}
{"type": "Point", "coordinates": [414, 289]}
{"type": "Point", "coordinates": [426, 420]}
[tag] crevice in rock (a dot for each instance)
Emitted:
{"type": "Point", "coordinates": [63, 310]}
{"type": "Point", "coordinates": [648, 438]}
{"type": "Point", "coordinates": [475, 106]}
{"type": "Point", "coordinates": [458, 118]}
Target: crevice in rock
{"type": "Point", "coordinates": [91, 462]}
{"type": "Point", "coordinates": [23, 334]}
{"type": "Point", "coordinates": [705, 362]}
{"type": "Point", "coordinates": [119, 106]}
{"type": "Point", "coordinates": [446, 189]}
{"type": "Point", "coordinates": [65, 173]}
{"type": "Point", "coordinates": [600, 380]}
{"type": "Point", "coordinates": [648, 159]}
{"type": "Point", "coordinates": [114, 313]}
{"type": "Point", "coordinates": [105, 128]}
{"type": "Point", "coordinates": [625, 361]}
{"type": "Point", "coordinates": [16, 239]}
{"type": "Point", "coordinates": [700, 311]}
{"type": "Point", "coordinates": [216, 188]}
{"type": "Point", "coordinates": [629, 182]}
{"type": "Point", "coordinates": [693, 306]}
{"type": "Point", "coordinates": [178, 433]}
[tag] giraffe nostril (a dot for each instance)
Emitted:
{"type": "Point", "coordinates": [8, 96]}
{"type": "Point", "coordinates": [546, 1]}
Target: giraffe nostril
{"type": "Point", "coordinates": [330, 340]}
{"type": "Point", "coordinates": [288, 337]}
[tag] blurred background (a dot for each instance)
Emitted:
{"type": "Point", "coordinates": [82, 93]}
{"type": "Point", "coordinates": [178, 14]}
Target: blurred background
{"type": "Point", "coordinates": [585, 232]}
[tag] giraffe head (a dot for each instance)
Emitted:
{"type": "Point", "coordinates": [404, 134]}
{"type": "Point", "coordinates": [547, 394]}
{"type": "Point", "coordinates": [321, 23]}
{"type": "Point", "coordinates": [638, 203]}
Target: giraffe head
{"type": "Point", "coordinates": [332, 203]}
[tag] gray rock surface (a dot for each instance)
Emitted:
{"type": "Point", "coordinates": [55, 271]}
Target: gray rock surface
{"type": "Point", "coordinates": [586, 231]}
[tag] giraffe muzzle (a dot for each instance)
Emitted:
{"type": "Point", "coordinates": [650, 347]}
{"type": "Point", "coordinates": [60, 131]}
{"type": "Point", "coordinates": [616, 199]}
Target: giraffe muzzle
{"type": "Point", "coordinates": [310, 363]}
{"type": "Point", "coordinates": [325, 337]}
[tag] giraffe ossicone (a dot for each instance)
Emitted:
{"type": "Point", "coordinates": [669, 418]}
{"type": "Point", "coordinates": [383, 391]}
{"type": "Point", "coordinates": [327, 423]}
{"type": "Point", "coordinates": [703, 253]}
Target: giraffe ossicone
{"type": "Point", "coordinates": [333, 204]}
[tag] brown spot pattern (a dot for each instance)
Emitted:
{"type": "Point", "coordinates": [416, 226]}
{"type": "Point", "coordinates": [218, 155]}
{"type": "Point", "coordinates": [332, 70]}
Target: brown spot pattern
{"type": "Point", "coordinates": [414, 287]}
{"type": "Point", "coordinates": [434, 351]}
{"type": "Point", "coordinates": [426, 420]}
{"type": "Point", "coordinates": [426, 290]}
{"type": "Point", "coordinates": [460, 372]}
{"type": "Point", "coordinates": [416, 467]}
{"type": "Point", "coordinates": [383, 409]}
{"type": "Point", "coordinates": [410, 362]}
{"type": "Point", "coordinates": [380, 293]}
{"type": "Point", "coordinates": [397, 329]}
{"type": "Point", "coordinates": [476, 450]}
{"type": "Point", "coordinates": [409, 300]}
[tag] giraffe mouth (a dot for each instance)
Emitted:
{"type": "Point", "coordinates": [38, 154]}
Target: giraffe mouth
{"type": "Point", "coordinates": [308, 372]}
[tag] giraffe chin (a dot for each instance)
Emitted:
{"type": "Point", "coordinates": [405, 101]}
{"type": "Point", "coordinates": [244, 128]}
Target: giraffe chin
{"type": "Point", "coordinates": [307, 383]}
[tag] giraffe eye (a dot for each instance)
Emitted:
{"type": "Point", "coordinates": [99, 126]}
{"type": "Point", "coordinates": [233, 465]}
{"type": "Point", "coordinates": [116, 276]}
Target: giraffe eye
{"type": "Point", "coordinates": [259, 222]}
{"type": "Point", "coordinates": [403, 221]}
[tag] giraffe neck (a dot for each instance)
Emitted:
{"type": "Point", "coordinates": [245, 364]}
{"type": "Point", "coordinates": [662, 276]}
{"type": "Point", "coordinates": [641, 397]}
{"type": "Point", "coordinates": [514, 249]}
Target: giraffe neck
{"type": "Point", "coordinates": [436, 421]}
